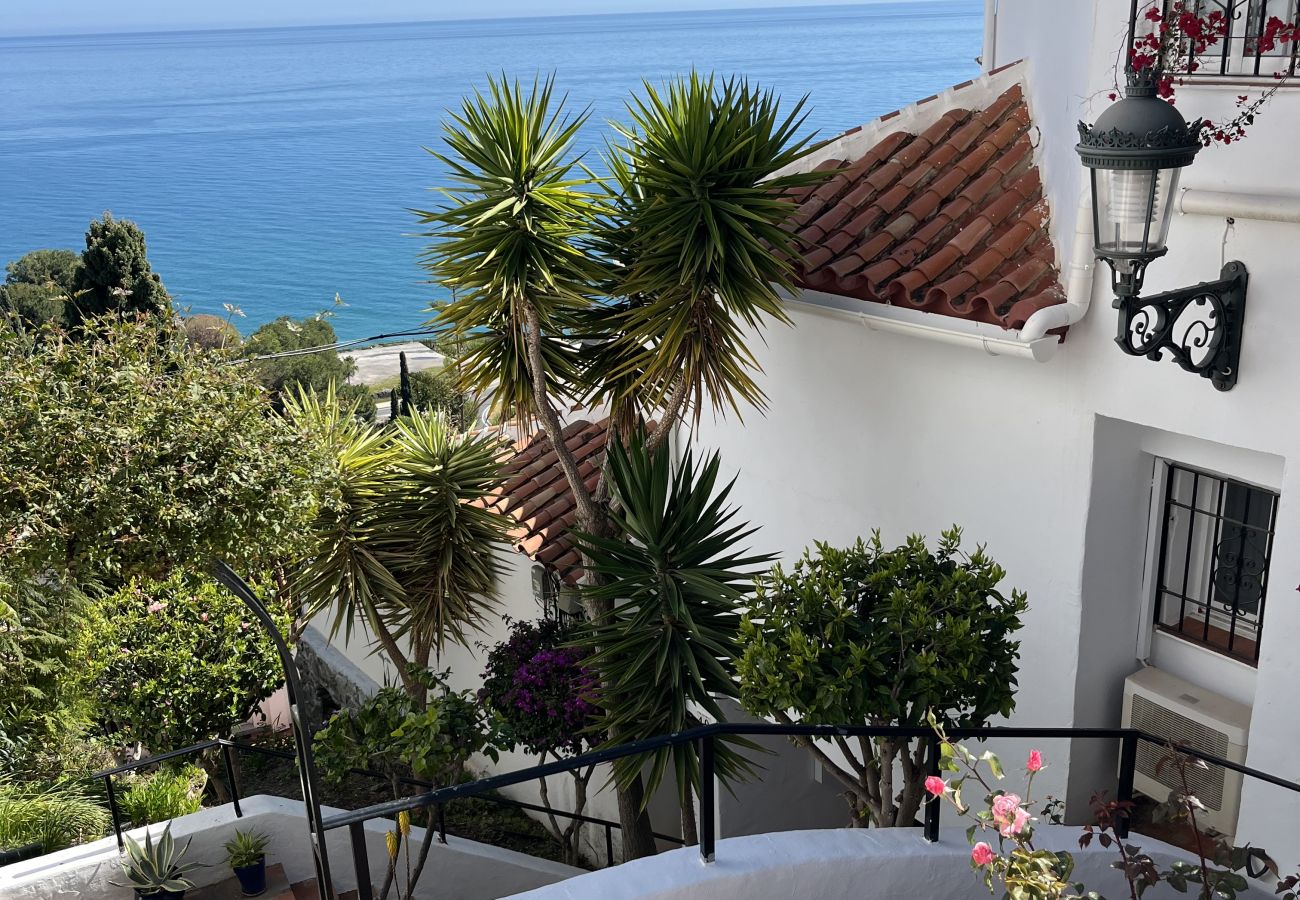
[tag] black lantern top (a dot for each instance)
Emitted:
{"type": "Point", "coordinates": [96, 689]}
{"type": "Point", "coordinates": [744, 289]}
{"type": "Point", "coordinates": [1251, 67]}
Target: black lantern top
{"type": "Point", "coordinates": [1135, 153]}
{"type": "Point", "coordinates": [1140, 132]}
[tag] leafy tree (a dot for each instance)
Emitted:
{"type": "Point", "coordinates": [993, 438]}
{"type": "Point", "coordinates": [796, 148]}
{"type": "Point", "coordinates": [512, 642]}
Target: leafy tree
{"type": "Point", "coordinates": [408, 550]}
{"type": "Point", "coordinates": [212, 332]}
{"type": "Point", "coordinates": [430, 739]}
{"type": "Point", "coordinates": [669, 646]}
{"type": "Point", "coordinates": [171, 663]}
{"type": "Point", "coordinates": [541, 690]}
{"type": "Point", "coordinates": [882, 637]}
{"type": "Point", "coordinates": [115, 276]}
{"type": "Point", "coordinates": [436, 392]}
{"type": "Point", "coordinates": [142, 458]}
{"type": "Point", "coordinates": [306, 371]}
{"type": "Point", "coordinates": [37, 287]}
{"type": "Point", "coordinates": [636, 291]}
{"type": "Point", "coordinates": [39, 705]}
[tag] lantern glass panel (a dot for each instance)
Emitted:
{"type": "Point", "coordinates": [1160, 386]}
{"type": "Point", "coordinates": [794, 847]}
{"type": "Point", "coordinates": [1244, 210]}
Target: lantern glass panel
{"type": "Point", "coordinates": [1132, 218]}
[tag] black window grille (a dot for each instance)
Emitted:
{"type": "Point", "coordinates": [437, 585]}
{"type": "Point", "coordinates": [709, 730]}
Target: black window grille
{"type": "Point", "coordinates": [1240, 53]}
{"type": "Point", "coordinates": [1215, 545]}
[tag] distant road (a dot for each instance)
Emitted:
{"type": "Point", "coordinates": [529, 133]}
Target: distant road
{"type": "Point", "coordinates": [375, 364]}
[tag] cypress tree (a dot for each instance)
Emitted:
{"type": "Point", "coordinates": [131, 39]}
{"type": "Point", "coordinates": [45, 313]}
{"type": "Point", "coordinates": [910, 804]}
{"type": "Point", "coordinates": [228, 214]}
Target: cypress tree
{"type": "Point", "coordinates": [406, 384]}
{"type": "Point", "coordinates": [393, 411]}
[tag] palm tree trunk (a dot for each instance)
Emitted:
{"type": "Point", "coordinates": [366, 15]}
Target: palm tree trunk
{"type": "Point", "coordinates": [690, 834]}
{"type": "Point", "coordinates": [638, 837]}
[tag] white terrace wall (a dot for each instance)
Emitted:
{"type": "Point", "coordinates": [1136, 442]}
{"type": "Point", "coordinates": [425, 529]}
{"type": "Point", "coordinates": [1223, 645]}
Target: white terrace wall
{"type": "Point", "coordinates": [846, 864]}
{"type": "Point", "coordinates": [462, 869]}
{"type": "Point", "coordinates": [1049, 464]}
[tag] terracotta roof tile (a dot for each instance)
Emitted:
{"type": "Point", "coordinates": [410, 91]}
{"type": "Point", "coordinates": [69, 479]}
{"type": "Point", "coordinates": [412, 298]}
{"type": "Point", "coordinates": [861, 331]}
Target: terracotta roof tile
{"type": "Point", "coordinates": [949, 218]}
{"type": "Point", "coordinates": [537, 496]}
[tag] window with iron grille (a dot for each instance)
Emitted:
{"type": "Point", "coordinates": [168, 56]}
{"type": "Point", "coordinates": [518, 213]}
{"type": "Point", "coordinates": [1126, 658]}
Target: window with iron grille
{"type": "Point", "coordinates": [1240, 54]}
{"type": "Point", "coordinates": [1215, 544]}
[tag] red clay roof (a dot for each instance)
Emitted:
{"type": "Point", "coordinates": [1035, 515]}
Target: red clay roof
{"type": "Point", "coordinates": [537, 496]}
{"type": "Point", "coordinates": [951, 219]}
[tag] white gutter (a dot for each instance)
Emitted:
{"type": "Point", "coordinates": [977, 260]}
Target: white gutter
{"type": "Point", "coordinates": [991, 339]}
{"type": "Point", "coordinates": [1225, 205]}
{"type": "Point", "coordinates": [988, 58]}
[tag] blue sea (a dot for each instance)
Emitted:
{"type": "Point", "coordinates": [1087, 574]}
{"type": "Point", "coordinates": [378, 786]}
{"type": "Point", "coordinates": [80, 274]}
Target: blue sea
{"type": "Point", "coordinates": [275, 168]}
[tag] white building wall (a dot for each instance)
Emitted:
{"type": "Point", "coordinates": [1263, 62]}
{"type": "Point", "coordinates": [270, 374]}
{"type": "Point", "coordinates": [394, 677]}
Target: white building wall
{"type": "Point", "coordinates": [1048, 464]}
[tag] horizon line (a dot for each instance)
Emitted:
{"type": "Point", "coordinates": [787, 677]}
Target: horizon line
{"type": "Point", "coordinates": [217, 29]}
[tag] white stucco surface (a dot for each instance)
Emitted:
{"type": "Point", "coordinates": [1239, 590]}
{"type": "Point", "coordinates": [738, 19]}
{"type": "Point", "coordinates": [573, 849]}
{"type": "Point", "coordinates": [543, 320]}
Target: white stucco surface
{"type": "Point", "coordinates": [459, 868]}
{"type": "Point", "coordinates": [1050, 464]}
{"type": "Point", "coordinates": [844, 864]}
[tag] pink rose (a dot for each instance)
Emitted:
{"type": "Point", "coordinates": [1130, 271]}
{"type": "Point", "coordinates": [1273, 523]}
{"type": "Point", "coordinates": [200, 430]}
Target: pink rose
{"type": "Point", "coordinates": [203, 617]}
{"type": "Point", "coordinates": [1016, 825]}
{"type": "Point", "coordinates": [157, 606]}
{"type": "Point", "coordinates": [1035, 763]}
{"type": "Point", "coordinates": [934, 784]}
{"type": "Point", "coordinates": [982, 854]}
{"type": "Point", "coordinates": [1008, 815]}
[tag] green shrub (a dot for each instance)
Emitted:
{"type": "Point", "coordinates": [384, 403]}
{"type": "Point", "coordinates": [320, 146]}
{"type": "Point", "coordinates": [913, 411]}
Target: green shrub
{"type": "Point", "coordinates": [54, 817]}
{"type": "Point", "coordinates": [434, 392]}
{"type": "Point", "coordinates": [163, 795]}
{"type": "Point", "coordinates": [172, 663]}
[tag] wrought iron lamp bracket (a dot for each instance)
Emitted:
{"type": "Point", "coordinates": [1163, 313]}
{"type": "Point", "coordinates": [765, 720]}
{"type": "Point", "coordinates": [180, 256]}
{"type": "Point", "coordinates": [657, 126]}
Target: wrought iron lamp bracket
{"type": "Point", "coordinates": [1208, 343]}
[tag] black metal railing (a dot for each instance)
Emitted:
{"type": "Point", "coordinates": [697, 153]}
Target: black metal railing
{"type": "Point", "coordinates": [705, 738]}
{"type": "Point", "coordinates": [1241, 52]}
{"type": "Point", "coordinates": [229, 749]}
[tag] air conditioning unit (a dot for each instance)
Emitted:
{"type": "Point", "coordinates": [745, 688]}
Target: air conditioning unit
{"type": "Point", "coordinates": [1169, 707]}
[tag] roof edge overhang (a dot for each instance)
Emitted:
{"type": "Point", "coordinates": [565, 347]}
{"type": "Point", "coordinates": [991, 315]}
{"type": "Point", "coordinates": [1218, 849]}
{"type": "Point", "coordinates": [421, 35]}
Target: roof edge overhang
{"type": "Point", "coordinates": [992, 339]}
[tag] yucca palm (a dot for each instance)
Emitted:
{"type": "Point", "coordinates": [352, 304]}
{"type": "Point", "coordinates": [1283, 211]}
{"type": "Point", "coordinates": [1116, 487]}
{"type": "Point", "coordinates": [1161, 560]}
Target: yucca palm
{"type": "Point", "coordinates": [638, 291]}
{"type": "Point", "coordinates": [404, 548]}
{"type": "Point", "coordinates": [678, 576]}
{"type": "Point", "coordinates": [699, 228]}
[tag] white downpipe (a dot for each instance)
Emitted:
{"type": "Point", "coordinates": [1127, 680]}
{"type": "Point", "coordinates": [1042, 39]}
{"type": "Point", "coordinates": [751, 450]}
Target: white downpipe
{"type": "Point", "coordinates": [988, 58]}
{"type": "Point", "coordinates": [1078, 282]}
{"type": "Point", "coordinates": [1226, 205]}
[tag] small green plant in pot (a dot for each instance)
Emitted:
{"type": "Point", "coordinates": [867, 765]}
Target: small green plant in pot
{"type": "Point", "coordinates": [246, 853]}
{"type": "Point", "coordinates": [155, 870]}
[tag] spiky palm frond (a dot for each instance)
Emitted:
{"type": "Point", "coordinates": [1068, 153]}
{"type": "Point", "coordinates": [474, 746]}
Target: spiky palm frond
{"type": "Point", "coordinates": [511, 236]}
{"type": "Point", "coordinates": [343, 574]}
{"type": "Point", "coordinates": [440, 544]}
{"type": "Point", "coordinates": [404, 547]}
{"type": "Point", "coordinates": [700, 227]}
{"type": "Point", "coordinates": [678, 577]}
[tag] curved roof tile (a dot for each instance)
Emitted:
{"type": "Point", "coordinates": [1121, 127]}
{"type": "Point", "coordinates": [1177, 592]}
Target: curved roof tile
{"type": "Point", "coordinates": [945, 214]}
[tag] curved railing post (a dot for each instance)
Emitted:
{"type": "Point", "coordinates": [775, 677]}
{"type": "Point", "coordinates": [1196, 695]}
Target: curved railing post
{"type": "Point", "coordinates": [301, 738]}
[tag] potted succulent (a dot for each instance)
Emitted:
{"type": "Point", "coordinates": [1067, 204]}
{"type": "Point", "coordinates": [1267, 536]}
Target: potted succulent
{"type": "Point", "coordinates": [155, 870]}
{"type": "Point", "coordinates": [246, 853]}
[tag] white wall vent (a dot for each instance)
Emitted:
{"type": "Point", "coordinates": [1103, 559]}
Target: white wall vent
{"type": "Point", "coordinates": [1169, 707]}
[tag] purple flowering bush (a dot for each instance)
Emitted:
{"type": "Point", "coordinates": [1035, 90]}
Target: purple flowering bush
{"type": "Point", "coordinates": [541, 690]}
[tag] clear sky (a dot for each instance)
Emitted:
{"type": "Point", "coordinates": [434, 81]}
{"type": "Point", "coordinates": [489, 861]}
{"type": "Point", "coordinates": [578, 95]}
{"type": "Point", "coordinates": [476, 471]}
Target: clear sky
{"type": "Point", "coordinates": [24, 17]}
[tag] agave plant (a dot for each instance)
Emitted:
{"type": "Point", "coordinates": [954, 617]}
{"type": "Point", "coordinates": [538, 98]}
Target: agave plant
{"type": "Point", "coordinates": [157, 868]}
{"type": "Point", "coordinates": [246, 848]}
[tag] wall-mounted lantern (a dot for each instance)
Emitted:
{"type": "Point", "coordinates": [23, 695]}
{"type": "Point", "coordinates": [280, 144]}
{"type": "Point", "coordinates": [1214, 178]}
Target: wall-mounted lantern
{"type": "Point", "coordinates": [1135, 153]}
